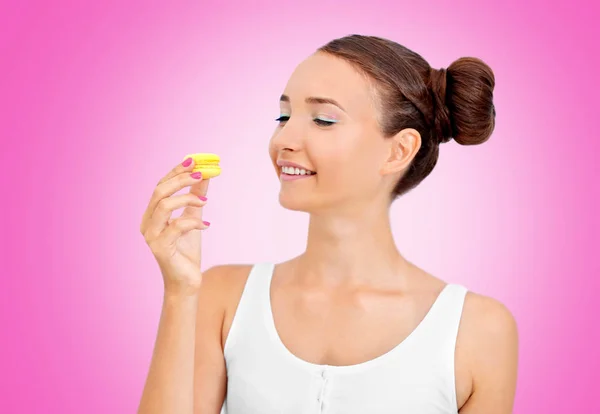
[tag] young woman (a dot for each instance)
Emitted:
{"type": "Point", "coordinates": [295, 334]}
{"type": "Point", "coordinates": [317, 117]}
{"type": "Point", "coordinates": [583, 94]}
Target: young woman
{"type": "Point", "coordinates": [350, 325]}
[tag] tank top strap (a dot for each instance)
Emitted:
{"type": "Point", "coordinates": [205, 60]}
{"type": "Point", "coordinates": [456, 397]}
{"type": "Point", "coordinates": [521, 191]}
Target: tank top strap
{"type": "Point", "coordinates": [435, 345]}
{"type": "Point", "coordinates": [257, 287]}
{"type": "Point", "coordinates": [445, 314]}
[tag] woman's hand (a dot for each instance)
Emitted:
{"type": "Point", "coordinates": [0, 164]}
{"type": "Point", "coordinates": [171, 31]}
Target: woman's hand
{"type": "Point", "coordinates": [176, 243]}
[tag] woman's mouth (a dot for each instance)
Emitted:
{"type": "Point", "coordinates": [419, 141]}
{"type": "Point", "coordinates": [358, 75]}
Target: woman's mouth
{"type": "Point", "coordinates": [291, 173]}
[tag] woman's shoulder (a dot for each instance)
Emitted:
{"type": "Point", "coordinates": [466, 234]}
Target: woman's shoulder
{"type": "Point", "coordinates": [486, 346]}
{"type": "Point", "coordinates": [224, 284]}
{"type": "Point", "coordinates": [225, 278]}
{"type": "Point", "coordinates": [226, 270]}
{"type": "Point", "coordinates": [485, 317]}
{"type": "Point", "coordinates": [487, 343]}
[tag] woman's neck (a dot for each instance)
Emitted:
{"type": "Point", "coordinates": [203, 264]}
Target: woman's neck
{"type": "Point", "coordinates": [352, 250]}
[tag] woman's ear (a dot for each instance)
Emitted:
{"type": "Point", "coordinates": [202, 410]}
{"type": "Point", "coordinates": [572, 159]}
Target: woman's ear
{"type": "Point", "coordinates": [403, 148]}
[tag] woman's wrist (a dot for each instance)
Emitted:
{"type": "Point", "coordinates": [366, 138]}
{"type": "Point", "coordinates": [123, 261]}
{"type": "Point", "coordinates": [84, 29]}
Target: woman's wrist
{"type": "Point", "coordinates": [181, 291]}
{"type": "Point", "coordinates": [177, 297]}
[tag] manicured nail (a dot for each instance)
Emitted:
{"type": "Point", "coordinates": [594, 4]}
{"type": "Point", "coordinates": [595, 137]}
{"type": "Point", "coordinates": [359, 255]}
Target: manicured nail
{"type": "Point", "coordinates": [197, 174]}
{"type": "Point", "coordinates": [206, 223]}
{"type": "Point", "coordinates": [187, 162]}
{"type": "Point", "coordinates": [202, 198]}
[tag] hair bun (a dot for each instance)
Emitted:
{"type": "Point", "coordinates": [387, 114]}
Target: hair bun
{"type": "Point", "coordinates": [442, 123]}
{"type": "Point", "coordinates": [467, 101]}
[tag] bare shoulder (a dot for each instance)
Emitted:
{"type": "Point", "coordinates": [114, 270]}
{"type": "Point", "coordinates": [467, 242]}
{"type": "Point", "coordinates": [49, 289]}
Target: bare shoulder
{"type": "Point", "coordinates": [485, 318]}
{"type": "Point", "coordinates": [222, 277]}
{"type": "Point", "coordinates": [224, 284]}
{"type": "Point", "coordinates": [216, 288]}
{"type": "Point", "coordinates": [486, 354]}
{"type": "Point", "coordinates": [220, 285]}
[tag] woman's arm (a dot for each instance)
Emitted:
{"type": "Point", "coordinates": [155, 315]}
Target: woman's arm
{"type": "Point", "coordinates": [492, 343]}
{"type": "Point", "coordinates": [210, 373]}
{"type": "Point", "coordinates": [187, 371]}
{"type": "Point", "coordinates": [169, 384]}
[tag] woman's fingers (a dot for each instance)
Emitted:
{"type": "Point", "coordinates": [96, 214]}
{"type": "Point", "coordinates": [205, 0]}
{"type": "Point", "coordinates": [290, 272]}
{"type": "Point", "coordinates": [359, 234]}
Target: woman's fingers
{"type": "Point", "coordinates": [186, 165]}
{"type": "Point", "coordinates": [180, 226]}
{"type": "Point", "coordinates": [179, 177]}
{"type": "Point", "coordinates": [165, 207]}
{"type": "Point", "coordinates": [199, 190]}
{"type": "Point", "coordinates": [170, 187]}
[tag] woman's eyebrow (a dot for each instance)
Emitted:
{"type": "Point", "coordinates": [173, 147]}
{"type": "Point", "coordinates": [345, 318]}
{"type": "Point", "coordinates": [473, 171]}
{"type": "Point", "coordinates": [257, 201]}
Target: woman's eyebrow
{"type": "Point", "coordinates": [315, 100]}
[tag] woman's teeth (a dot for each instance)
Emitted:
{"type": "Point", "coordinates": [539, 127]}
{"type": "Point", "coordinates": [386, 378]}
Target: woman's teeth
{"type": "Point", "coordinates": [296, 171]}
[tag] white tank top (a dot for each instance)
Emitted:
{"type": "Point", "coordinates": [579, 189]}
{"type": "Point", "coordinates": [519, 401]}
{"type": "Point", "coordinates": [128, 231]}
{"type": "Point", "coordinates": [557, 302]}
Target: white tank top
{"type": "Point", "coordinates": [264, 377]}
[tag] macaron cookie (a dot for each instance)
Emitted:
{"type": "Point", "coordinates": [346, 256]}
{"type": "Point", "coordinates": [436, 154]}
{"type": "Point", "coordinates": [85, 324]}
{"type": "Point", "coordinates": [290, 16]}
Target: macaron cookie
{"type": "Point", "coordinates": [206, 163]}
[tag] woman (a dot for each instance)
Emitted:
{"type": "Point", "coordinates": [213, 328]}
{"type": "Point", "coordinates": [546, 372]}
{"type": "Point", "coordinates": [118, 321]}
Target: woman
{"type": "Point", "coordinates": [350, 325]}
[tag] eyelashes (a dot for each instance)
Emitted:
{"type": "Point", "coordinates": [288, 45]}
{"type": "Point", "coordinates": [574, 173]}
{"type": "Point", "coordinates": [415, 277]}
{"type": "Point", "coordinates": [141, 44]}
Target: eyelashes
{"type": "Point", "coordinates": [321, 122]}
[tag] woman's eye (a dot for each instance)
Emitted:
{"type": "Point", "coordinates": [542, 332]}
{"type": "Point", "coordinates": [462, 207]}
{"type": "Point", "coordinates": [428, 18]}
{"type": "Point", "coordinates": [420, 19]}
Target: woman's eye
{"type": "Point", "coordinates": [318, 121]}
{"type": "Point", "coordinates": [324, 122]}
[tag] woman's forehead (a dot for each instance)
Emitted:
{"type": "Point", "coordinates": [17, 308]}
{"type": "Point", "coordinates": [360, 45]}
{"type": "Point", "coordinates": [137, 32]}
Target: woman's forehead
{"type": "Point", "coordinates": [331, 77]}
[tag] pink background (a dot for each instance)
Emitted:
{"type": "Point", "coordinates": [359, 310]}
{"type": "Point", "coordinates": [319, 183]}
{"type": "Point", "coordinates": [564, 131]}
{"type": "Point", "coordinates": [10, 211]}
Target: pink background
{"type": "Point", "coordinates": [99, 101]}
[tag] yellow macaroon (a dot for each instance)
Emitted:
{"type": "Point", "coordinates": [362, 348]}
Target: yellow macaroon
{"type": "Point", "coordinates": [207, 164]}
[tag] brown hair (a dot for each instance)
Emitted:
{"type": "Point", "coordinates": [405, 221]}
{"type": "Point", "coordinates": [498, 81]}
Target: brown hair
{"type": "Point", "coordinates": [442, 104]}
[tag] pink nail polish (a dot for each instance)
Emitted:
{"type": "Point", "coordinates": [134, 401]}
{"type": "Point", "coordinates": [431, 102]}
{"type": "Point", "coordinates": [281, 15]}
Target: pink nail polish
{"type": "Point", "coordinates": [187, 162]}
{"type": "Point", "coordinates": [197, 174]}
{"type": "Point", "coordinates": [202, 198]}
{"type": "Point", "coordinates": [206, 223]}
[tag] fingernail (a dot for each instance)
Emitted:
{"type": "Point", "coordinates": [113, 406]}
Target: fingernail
{"type": "Point", "coordinates": [197, 175]}
{"type": "Point", "coordinates": [206, 223]}
{"type": "Point", "coordinates": [202, 198]}
{"type": "Point", "coordinates": [187, 162]}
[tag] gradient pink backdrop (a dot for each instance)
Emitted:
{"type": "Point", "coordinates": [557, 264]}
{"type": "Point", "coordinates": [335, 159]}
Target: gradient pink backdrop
{"type": "Point", "coordinates": [99, 100]}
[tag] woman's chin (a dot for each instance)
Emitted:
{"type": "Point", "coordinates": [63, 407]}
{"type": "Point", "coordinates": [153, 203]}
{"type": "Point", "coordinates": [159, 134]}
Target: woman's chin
{"type": "Point", "coordinates": [294, 203]}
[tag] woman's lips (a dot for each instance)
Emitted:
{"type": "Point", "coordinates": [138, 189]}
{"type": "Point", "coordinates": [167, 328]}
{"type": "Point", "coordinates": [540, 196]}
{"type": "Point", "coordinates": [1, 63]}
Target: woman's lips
{"type": "Point", "coordinates": [290, 177]}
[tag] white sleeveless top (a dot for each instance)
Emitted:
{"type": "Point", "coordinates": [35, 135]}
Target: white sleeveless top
{"type": "Point", "coordinates": [264, 377]}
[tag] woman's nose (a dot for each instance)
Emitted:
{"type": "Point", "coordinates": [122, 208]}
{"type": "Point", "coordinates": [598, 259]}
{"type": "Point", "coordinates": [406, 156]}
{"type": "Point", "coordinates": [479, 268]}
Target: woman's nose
{"type": "Point", "coordinates": [288, 137]}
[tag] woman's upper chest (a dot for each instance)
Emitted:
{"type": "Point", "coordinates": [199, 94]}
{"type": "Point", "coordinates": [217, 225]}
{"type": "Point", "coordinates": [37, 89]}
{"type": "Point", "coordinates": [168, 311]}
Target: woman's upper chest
{"type": "Point", "coordinates": [338, 327]}
{"type": "Point", "coordinates": [349, 328]}
{"type": "Point", "coordinates": [353, 328]}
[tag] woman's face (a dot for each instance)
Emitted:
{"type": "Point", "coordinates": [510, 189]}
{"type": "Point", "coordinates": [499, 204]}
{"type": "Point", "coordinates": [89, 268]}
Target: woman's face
{"type": "Point", "coordinates": [339, 140]}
